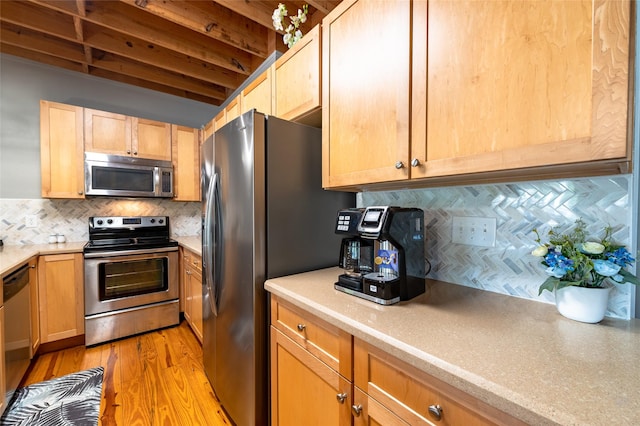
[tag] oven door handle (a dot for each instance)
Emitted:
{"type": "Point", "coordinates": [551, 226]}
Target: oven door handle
{"type": "Point", "coordinates": [116, 253]}
{"type": "Point", "coordinates": [211, 236]}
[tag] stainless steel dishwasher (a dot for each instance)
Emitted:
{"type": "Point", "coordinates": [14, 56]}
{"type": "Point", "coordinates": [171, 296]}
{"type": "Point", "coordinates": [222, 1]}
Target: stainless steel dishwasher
{"type": "Point", "coordinates": [17, 327]}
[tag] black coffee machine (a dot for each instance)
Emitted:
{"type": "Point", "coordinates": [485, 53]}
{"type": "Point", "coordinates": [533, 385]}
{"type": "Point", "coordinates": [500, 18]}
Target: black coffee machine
{"type": "Point", "coordinates": [382, 253]}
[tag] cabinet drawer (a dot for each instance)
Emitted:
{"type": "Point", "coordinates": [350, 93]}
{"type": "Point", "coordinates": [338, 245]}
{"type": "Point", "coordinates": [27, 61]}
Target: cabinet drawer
{"type": "Point", "coordinates": [411, 393]}
{"type": "Point", "coordinates": [325, 341]}
{"type": "Point", "coordinates": [192, 260]}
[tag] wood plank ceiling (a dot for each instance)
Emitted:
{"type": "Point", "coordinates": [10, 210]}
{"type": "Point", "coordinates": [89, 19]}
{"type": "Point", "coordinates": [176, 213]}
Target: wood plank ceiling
{"type": "Point", "coordinates": [200, 50]}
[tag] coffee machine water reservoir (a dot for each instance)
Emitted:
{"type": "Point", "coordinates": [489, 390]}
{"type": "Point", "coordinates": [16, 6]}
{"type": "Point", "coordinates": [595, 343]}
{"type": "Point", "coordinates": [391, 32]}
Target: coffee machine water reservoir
{"type": "Point", "coordinates": [382, 253]}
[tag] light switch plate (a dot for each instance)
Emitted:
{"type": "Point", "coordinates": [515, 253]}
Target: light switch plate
{"type": "Point", "coordinates": [474, 231]}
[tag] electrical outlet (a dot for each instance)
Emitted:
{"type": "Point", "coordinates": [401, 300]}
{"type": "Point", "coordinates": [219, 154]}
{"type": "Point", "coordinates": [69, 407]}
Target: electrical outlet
{"type": "Point", "coordinates": [474, 231]}
{"type": "Point", "coordinates": [31, 221]}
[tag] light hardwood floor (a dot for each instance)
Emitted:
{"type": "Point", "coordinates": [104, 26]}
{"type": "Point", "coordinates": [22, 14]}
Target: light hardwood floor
{"type": "Point", "coordinates": [152, 379]}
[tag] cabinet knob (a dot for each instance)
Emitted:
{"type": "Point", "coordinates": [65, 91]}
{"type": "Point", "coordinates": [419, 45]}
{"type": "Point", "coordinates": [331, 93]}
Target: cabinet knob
{"type": "Point", "coordinates": [135, 152]}
{"type": "Point", "coordinates": [415, 162]}
{"type": "Point", "coordinates": [128, 151]}
{"type": "Point", "coordinates": [399, 165]}
{"type": "Point", "coordinates": [80, 192]}
{"type": "Point", "coordinates": [356, 410]}
{"type": "Point", "coordinates": [301, 327]}
{"type": "Point", "coordinates": [435, 411]}
{"type": "Point", "coordinates": [341, 397]}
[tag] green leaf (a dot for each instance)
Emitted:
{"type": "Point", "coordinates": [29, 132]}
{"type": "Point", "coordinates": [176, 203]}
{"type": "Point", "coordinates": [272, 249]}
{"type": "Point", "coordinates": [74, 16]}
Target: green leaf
{"type": "Point", "coordinates": [549, 284]}
{"type": "Point", "coordinates": [629, 278]}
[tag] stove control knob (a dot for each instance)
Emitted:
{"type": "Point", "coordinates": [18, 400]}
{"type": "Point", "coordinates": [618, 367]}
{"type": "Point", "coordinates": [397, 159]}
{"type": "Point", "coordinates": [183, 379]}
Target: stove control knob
{"type": "Point", "coordinates": [160, 221]}
{"type": "Point", "coordinates": [109, 221]}
{"type": "Point", "coordinates": [152, 220]}
{"type": "Point", "coordinates": [99, 222]}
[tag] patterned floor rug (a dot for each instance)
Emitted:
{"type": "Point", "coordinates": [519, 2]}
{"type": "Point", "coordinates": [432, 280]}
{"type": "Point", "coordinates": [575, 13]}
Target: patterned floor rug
{"type": "Point", "coordinates": [68, 400]}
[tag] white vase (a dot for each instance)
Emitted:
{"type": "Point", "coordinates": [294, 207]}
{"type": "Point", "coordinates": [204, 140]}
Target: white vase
{"type": "Point", "coordinates": [582, 303]}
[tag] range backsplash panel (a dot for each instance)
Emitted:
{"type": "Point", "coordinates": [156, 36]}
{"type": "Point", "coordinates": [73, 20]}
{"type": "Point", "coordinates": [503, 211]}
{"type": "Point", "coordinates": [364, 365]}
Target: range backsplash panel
{"type": "Point", "coordinates": [71, 217]}
{"type": "Point", "coordinates": [508, 267]}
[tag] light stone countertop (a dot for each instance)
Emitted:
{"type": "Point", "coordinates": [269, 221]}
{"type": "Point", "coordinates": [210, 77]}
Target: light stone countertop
{"type": "Point", "coordinates": [518, 355]}
{"type": "Point", "coordinates": [193, 243]}
{"type": "Point", "coordinates": [12, 256]}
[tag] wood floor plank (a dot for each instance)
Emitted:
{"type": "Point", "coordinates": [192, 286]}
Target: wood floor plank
{"type": "Point", "coordinates": [155, 378]}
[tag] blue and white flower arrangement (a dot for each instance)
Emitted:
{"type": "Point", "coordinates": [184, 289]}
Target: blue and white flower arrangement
{"type": "Point", "coordinates": [572, 260]}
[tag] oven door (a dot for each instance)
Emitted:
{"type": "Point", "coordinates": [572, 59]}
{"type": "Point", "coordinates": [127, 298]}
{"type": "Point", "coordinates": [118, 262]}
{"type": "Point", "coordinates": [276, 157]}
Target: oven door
{"type": "Point", "coordinates": [126, 279]}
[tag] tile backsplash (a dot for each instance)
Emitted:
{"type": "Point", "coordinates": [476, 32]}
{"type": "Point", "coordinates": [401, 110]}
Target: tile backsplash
{"type": "Point", "coordinates": [70, 217]}
{"type": "Point", "coordinates": [508, 267]}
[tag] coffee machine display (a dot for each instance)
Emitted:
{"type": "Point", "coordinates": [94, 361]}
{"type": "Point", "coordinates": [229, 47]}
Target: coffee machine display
{"type": "Point", "coordinates": [382, 253]}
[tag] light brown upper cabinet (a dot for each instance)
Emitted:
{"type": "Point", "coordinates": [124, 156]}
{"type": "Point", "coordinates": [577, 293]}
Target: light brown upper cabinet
{"type": "Point", "coordinates": [512, 85]}
{"type": "Point", "coordinates": [365, 92]}
{"type": "Point", "coordinates": [232, 110]}
{"type": "Point", "coordinates": [506, 89]}
{"type": "Point", "coordinates": [298, 88]}
{"type": "Point", "coordinates": [219, 120]}
{"type": "Point", "coordinates": [186, 163]}
{"type": "Point", "coordinates": [61, 150]}
{"type": "Point", "coordinates": [259, 93]}
{"type": "Point", "coordinates": [118, 134]}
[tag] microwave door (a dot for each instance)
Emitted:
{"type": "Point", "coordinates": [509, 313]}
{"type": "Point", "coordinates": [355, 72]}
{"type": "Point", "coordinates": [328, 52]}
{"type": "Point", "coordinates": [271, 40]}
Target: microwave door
{"type": "Point", "coordinates": [120, 180]}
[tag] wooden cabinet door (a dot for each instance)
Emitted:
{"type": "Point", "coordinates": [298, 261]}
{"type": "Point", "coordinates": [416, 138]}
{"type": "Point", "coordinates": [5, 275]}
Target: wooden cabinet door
{"type": "Point", "coordinates": [61, 296]}
{"type": "Point", "coordinates": [208, 130]}
{"type": "Point", "coordinates": [35, 313]}
{"type": "Point", "coordinates": [150, 139]}
{"type": "Point", "coordinates": [365, 95]}
{"type": "Point", "coordinates": [297, 74]}
{"type": "Point", "coordinates": [304, 390]}
{"type": "Point", "coordinates": [220, 120]}
{"type": "Point", "coordinates": [259, 93]}
{"type": "Point", "coordinates": [107, 132]}
{"type": "Point", "coordinates": [195, 292]}
{"type": "Point", "coordinates": [3, 375]}
{"type": "Point", "coordinates": [509, 85]}
{"type": "Point", "coordinates": [232, 110]}
{"type": "Point", "coordinates": [61, 150]}
{"type": "Point", "coordinates": [185, 142]}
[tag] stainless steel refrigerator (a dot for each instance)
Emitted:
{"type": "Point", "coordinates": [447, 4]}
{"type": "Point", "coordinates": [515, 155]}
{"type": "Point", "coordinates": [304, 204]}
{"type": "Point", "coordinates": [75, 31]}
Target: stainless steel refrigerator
{"type": "Point", "coordinates": [265, 215]}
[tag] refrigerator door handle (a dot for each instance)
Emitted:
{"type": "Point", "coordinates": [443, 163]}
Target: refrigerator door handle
{"type": "Point", "coordinates": [210, 243]}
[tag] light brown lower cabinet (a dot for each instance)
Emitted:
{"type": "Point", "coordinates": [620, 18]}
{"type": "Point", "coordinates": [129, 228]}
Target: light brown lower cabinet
{"type": "Point", "coordinates": [304, 389]}
{"type": "Point", "coordinates": [310, 369]}
{"type": "Point", "coordinates": [61, 296]}
{"type": "Point", "coordinates": [35, 313]}
{"type": "Point", "coordinates": [414, 396]}
{"type": "Point", "coordinates": [3, 385]}
{"type": "Point", "coordinates": [323, 375]}
{"type": "Point", "coordinates": [192, 290]}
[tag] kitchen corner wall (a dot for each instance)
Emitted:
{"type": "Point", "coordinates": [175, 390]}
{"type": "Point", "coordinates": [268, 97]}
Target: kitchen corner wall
{"type": "Point", "coordinates": [71, 217]}
{"type": "Point", "coordinates": [508, 267]}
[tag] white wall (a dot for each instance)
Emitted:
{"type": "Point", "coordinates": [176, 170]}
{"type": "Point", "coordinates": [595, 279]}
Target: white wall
{"type": "Point", "coordinates": [24, 83]}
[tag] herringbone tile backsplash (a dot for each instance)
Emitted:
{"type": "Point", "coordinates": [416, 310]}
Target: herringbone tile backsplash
{"type": "Point", "coordinates": [71, 217]}
{"type": "Point", "coordinates": [509, 268]}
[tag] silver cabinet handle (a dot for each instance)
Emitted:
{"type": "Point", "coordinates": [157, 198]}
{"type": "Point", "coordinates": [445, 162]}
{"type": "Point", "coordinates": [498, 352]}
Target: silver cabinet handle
{"type": "Point", "coordinates": [301, 327]}
{"type": "Point", "coordinates": [341, 397]}
{"type": "Point", "coordinates": [415, 162]}
{"type": "Point", "coordinates": [399, 165]}
{"type": "Point", "coordinates": [436, 411]}
{"type": "Point", "coordinates": [356, 410]}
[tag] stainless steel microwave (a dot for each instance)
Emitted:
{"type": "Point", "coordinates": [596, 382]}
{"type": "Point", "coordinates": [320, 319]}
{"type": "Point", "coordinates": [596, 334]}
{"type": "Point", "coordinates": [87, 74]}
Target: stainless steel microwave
{"type": "Point", "coordinates": [120, 176]}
